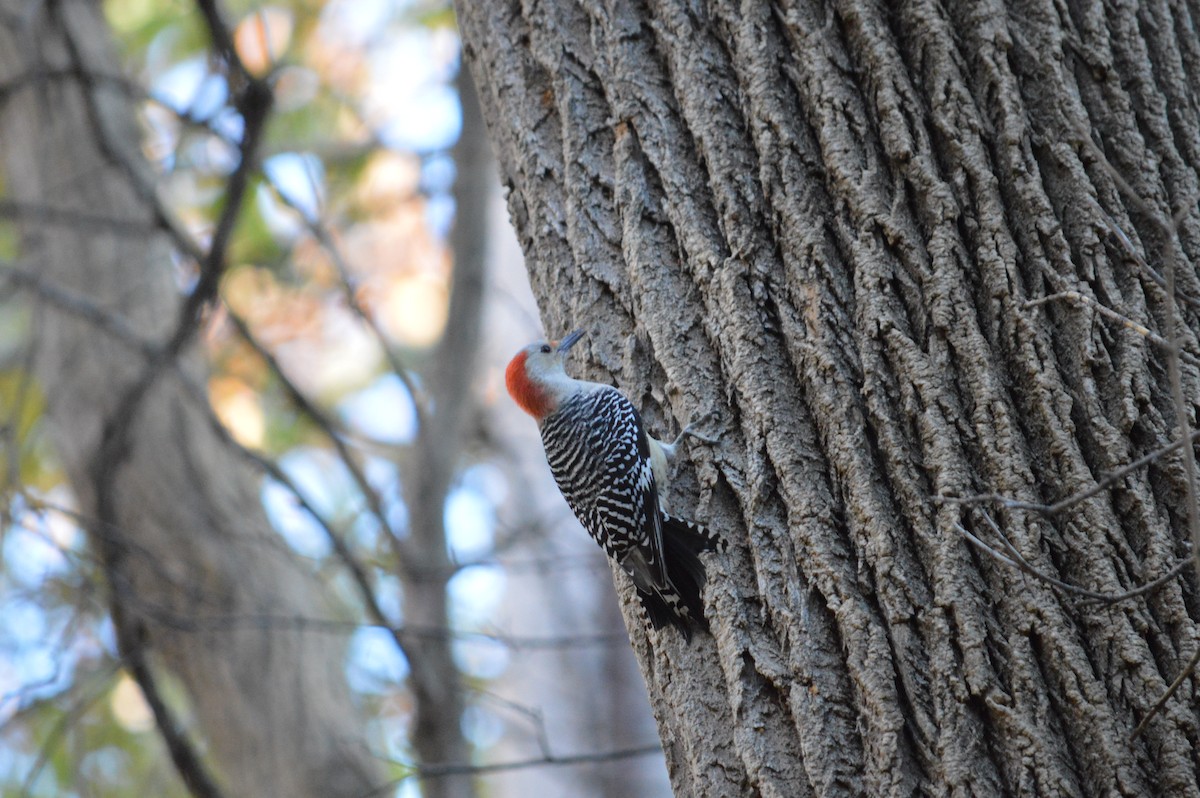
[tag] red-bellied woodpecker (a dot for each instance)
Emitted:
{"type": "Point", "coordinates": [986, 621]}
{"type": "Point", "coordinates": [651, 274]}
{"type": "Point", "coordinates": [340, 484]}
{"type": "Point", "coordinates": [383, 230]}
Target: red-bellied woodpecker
{"type": "Point", "coordinates": [610, 470]}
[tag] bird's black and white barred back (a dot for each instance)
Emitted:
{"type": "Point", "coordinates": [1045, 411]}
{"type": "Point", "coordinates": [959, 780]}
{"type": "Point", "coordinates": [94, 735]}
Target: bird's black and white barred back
{"type": "Point", "coordinates": [599, 453]}
{"type": "Point", "coordinates": [600, 459]}
{"type": "Point", "coordinates": [605, 465]}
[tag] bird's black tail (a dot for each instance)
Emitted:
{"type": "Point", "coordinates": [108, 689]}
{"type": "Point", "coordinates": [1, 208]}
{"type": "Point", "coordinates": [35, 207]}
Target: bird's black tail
{"type": "Point", "coordinates": [682, 607]}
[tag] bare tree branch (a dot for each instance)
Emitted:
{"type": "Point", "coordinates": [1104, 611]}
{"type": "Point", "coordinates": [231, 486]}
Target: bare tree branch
{"type": "Point", "coordinates": [1115, 230]}
{"type": "Point", "coordinates": [1016, 560]}
{"type": "Point", "coordinates": [253, 103]}
{"type": "Point", "coordinates": [92, 694]}
{"type": "Point", "coordinates": [1109, 313]}
{"type": "Point", "coordinates": [1187, 670]}
{"type": "Point", "coordinates": [1075, 498]}
{"type": "Point", "coordinates": [70, 217]}
{"type": "Point", "coordinates": [430, 772]}
{"type": "Point", "coordinates": [323, 422]}
{"type": "Point", "coordinates": [320, 231]}
{"type": "Point", "coordinates": [111, 323]}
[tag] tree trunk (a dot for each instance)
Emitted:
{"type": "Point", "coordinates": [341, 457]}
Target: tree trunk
{"type": "Point", "coordinates": [822, 223]}
{"type": "Point", "coordinates": [586, 695]}
{"type": "Point", "coordinates": [438, 691]}
{"type": "Point", "coordinates": [197, 576]}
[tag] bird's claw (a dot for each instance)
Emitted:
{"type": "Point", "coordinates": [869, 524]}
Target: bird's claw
{"type": "Point", "coordinates": [690, 430]}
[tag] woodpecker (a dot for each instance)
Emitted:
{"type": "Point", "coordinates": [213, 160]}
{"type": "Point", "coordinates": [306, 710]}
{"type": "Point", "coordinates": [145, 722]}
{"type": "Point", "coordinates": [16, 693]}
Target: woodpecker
{"type": "Point", "coordinates": [609, 470]}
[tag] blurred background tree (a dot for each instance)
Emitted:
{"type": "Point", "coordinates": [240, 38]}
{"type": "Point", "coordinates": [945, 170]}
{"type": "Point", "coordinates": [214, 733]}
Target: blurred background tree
{"type": "Point", "coordinates": [260, 497]}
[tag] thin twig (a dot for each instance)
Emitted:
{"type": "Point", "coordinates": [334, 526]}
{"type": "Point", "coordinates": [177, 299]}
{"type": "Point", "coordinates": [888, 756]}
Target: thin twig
{"type": "Point", "coordinates": [195, 622]}
{"type": "Point", "coordinates": [1115, 230]}
{"type": "Point", "coordinates": [117, 151]}
{"type": "Point", "coordinates": [253, 103]}
{"type": "Point", "coordinates": [70, 716]}
{"type": "Point", "coordinates": [438, 771]}
{"type": "Point", "coordinates": [320, 232]}
{"type": "Point", "coordinates": [1109, 313]}
{"type": "Point", "coordinates": [1149, 587]}
{"type": "Point", "coordinates": [71, 217]}
{"type": "Point", "coordinates": [1161, 702]}
{"type": "Point", "coordinates": [424, 772]}
{"type": "Point", "coordinates": [1016, 560]}
{"type": "Point", "coordinates": [358, 571]}
{"type": "Point", "coordinates": [79, 305]}
{"type": "Point", "coordinates": [1074, 498]}
{"type": "Point", "coordinates": [318, 417]}
{"type": "Point", "coordinates": [1191, 510]}
{"type": "Point", "coordinates": [10, 428]}
{"type": "Point", "coordinates": [1170, 231]}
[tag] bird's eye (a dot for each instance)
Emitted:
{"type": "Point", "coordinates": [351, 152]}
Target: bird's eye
{"type": "Point", "coordinates": [546, 348]}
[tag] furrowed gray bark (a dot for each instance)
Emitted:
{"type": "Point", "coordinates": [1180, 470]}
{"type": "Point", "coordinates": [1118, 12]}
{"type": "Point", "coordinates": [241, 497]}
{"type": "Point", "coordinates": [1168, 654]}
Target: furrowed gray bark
{"type": "Point", "coordinates": [822, 223]}
{"type": "Point", "coordinates": [205, 586]}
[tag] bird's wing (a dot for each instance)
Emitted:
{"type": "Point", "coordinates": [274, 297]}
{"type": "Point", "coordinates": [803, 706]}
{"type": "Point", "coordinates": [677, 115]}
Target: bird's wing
{"type": "Point", "coordinates": [608, 480]}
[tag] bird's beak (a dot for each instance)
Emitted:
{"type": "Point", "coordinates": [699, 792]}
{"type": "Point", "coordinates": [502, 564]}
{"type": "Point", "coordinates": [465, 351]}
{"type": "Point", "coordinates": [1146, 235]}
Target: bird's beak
{"type": "Point", "coordinates": [568, 342]}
